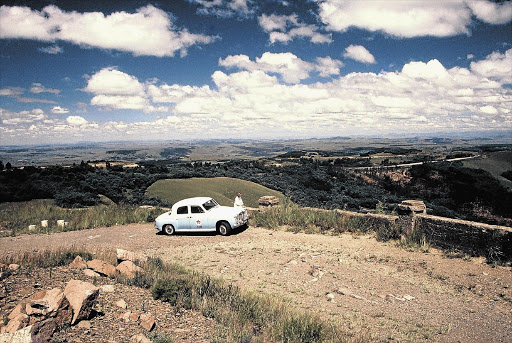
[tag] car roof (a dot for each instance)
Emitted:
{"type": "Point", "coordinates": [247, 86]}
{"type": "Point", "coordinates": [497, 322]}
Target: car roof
{"type": "Point", "coordinates": [192, 201]}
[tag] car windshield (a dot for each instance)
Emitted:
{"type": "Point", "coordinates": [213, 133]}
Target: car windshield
{"type": "Point", "coordinates": [210, 204]}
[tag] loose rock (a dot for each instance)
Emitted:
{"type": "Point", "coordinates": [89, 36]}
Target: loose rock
{"type": "Point", "coordinates": [82, 296]}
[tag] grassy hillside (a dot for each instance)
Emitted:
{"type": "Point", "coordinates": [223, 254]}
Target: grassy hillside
{"type": "Point", "coordinates": [495, 163]}
{"type": "Point", "coordinates": [222, 189]}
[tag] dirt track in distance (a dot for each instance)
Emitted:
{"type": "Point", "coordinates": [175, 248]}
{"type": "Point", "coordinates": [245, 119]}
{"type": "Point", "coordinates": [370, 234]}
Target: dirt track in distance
{"type": "Point", "coordinates": [363, 284]}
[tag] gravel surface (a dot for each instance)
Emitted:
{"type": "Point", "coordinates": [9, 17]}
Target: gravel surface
{"type": "Point", "coordinates": [363, 284]}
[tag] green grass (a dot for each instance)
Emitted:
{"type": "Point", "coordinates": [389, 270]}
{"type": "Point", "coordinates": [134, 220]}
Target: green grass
{"type": "Point", "coordinates": [240, 316]}
{"type": "Point", "coordinates": [15, 218]}
{"type": "Point", "coordinates": [299, 219]}
{"type": "Point", "coordinates": [222, 189]}
{"type": "Point", "coordinates": [495, 163]}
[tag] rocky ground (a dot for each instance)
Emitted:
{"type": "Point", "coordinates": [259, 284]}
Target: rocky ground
{"type": "Point", "coordinates": [363, 284]}
{"type": "Point", "coordinates": [116, 317]}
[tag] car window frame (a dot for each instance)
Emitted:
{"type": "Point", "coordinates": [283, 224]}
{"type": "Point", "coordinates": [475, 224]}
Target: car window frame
{"type": "Point", "coordinates": [179, 208]}
{"type": "Point", "coordinates": [202, 210]}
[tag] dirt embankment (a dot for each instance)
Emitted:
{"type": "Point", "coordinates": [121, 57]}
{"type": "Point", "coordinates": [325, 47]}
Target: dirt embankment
{"type": "Point", "coordinates": [355, 280]}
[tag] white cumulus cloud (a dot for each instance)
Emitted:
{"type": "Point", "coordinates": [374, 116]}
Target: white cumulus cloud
{"type": "Point", "coordinates": [39, 88]}
{"type": "Point", "coordinates": [359, 53]}
{"type": "Point", "coordinates": [59, 110]}
{"type": "Point", "coordinates": [256, 101]}
{"type": "Point", "coordinates": [149, 31]}
{"type": "Point", "coordinates": [496, 66]}
{"type": "Point", "coordinates": [285, 28]}
{"type": "Point", "coordinates": [288, 66]}
{"type": "Point", "coordinates": [24, 117]}
{"type": "Point", "coordinates": [406, 19]}
{"type": "Point", "coordinates": [225, 8]}
{"type": "Point", "coordinates": [76, 120]}
{"type": "Point", "coordinates": [491, 12]}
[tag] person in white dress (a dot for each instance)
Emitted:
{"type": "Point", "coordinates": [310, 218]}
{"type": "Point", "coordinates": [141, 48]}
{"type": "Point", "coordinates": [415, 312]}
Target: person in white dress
{"type": "Point", "coordinates": [238, 200]}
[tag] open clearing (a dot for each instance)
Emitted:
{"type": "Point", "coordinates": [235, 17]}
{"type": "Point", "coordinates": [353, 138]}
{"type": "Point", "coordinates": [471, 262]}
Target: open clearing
{"type": "Point", "coordinates": [222, 189]}
{"type": "Point", "coordinates": [363, 284]}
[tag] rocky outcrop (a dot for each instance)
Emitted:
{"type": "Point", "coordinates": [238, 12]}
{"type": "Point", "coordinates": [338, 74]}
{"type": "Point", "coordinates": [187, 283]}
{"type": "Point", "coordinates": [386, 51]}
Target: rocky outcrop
{"type": "Point", "coordinates": [36, 318]}
{"type": "Point", "coordinates": [102, 268]}
{"type": "Point", "coordinates": [82, 296]}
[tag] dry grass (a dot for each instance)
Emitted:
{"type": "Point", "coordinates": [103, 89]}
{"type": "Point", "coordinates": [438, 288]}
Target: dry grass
{"type": "Point", "coordinates": [15, 218]}
{"type": "Point", "coordinates": [242, 316]}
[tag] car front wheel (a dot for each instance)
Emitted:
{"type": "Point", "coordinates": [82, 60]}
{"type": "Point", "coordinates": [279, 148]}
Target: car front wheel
{"type": "Point", "coordinates": [169, 229]}
{"type": "Point", "coordinates": [224, 228]}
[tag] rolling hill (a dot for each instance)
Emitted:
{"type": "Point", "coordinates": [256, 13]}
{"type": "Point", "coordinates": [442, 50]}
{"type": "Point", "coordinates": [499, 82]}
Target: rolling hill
{"type": "Point", "coordinates": [222, 189]}
{"type": "Point", "coordinates": [495, 163]}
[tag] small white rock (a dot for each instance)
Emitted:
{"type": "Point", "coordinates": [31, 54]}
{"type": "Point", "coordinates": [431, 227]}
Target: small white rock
{"type": "Point", "coordinates": [107, 288]}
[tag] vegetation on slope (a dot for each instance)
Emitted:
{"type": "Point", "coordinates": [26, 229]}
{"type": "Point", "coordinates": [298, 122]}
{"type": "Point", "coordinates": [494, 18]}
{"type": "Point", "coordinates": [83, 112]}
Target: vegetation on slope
{"type": "Point", "coordinates": [449, 189]}
{"type": "Point", "coordinates": [222, 189]}
{"type": "Point", "coordinates": [15, 218]}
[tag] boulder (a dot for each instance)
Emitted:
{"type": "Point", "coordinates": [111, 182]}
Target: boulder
{"type": "Point", "coordinates": [42, 332]}
{"type": "Point", "coordinates": [78, 262]}
{"type": "Point", "coordinates": [102, 268]}
{"type": "Point", "coordinates": [14, 267]}
{"type": "Point", "coordinates": [147, 321]}
{"type": "Point", "coordinates": [46, 306]}
{"type": "Point", "coordinates": [125, 255]}
{"type": "Point", "coordinates": [409, 207]}
{"type": "Point", "coordinates": [18, 322]}
{"type": "Point", "coordinates": [82, 296]}
{"type": "Point", "coordinates": [91, 273]}
{"type": "Point", "coordinates": [21, 336]}
{"type": "Point", "coordinates": [128, 269]}
{"type": "Point", "coordinates": [22, 305]}
{"type": "Point", "coordinates": [134, 317]}
{"type": "Point", "coordinates": [107, 289]}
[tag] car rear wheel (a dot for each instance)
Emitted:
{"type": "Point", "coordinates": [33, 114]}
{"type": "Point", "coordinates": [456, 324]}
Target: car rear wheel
{"type": "Point", "coordinates": [169, 229]}
{"type": "Point", "coordinates": [224, 228]}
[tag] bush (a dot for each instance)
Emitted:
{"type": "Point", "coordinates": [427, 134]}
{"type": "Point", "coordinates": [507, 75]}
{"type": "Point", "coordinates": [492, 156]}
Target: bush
{"type": "Point", "coordinates": [174, 291]}
{"type": "Point", "coordinates": [69, 198]}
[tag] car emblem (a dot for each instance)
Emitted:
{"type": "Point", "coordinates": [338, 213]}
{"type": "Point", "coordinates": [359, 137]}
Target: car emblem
{"type": "Point", "coordinates": [198, 222]}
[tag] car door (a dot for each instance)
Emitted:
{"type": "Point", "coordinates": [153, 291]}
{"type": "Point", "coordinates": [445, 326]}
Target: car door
{"type": "Point", "coordinates": [182, 218]}
{"type": "Point", "coordinates": [199, 219]}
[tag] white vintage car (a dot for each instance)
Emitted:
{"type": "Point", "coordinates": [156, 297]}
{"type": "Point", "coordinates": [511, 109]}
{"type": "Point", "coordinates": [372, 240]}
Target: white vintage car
{"type": "Point", "coordinates": [201, 214]}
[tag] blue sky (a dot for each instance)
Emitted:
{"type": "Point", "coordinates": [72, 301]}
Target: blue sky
{"type": "Point", "coordinates": [74, 71]}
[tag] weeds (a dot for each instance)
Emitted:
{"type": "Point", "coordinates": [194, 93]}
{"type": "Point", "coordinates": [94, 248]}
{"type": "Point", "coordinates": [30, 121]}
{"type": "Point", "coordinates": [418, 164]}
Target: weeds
{"type": "Point", "coordinates": [243, 317]}
{"type": "Point", "coordinates": [16, 217]}
{"type": "Point", "coordinates": [299, 219]}
{"type": "Point", "coordinates": [160, 337]}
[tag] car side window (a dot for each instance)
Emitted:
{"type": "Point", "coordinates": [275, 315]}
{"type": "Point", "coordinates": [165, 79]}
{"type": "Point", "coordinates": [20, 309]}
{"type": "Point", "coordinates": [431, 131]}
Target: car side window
{"type": "Point", "coordinates": [182, 210]}
{"type": "Point", "coordinates": [196, 209]}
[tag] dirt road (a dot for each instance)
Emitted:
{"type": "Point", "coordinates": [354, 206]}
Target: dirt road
{"type": "Point", "coordinates": [355, 280]}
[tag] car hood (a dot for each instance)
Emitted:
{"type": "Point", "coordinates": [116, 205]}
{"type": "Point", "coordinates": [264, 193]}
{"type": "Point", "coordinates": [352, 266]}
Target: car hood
{"type": "Point", "coordinates": [163, 215]}
{"type": "Point", "coordinates": [226, 210]}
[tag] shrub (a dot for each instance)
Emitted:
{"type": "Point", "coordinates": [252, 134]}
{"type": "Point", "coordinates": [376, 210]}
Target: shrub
{"type": "Point", "coordinates": [173, 291]}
